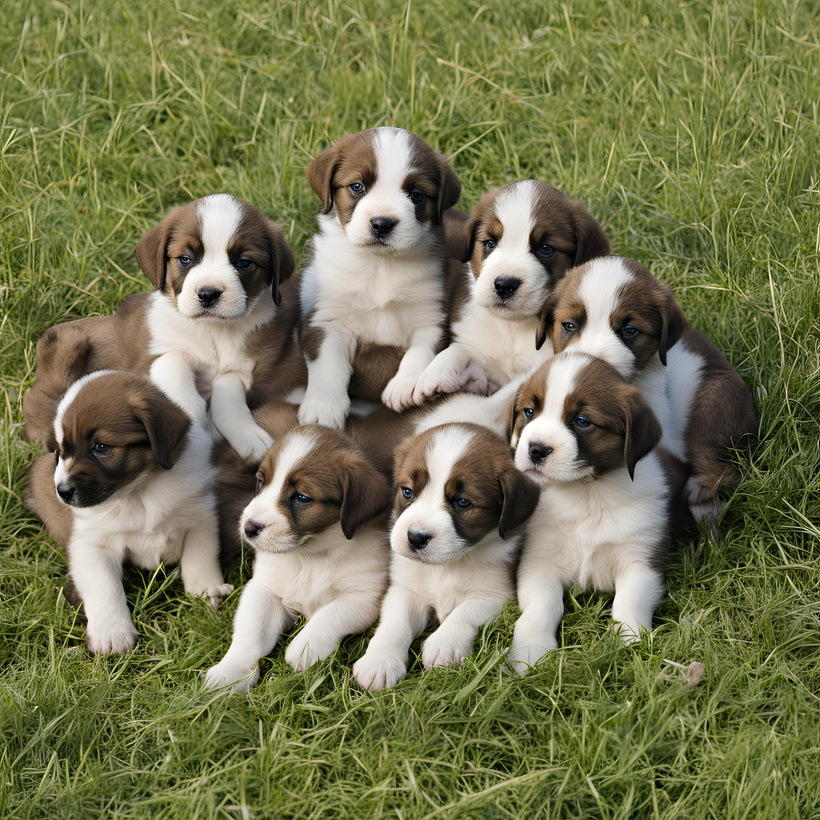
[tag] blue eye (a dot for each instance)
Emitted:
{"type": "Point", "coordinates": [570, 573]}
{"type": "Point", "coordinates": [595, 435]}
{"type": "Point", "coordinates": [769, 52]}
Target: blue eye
{"type": "Point", "coordinates": [545, 251]}
{"type": "Point", "coordinates": [301, 498]}
{"type": "Point", "coordinates": [462, 502]}
{"type": "Point", "coordinates": [185, 262]}
{"type": "Point", "coordinates": [417, 196]}
{"type": "Point", "coordinates": [489, 244]}
{"type": "Point", "coordinates": [102, 449]}
{"type": "Point", "coordinates": [528, 412]}
{"type": "Point", "coordinates": [357, 188]}
{"type": "Point", "coordinates": [406, 492]}
{"type": "Point", "coordinates": [241, 264]}
{"type": "Point", "coordinates": [582, 423]}
{"type": "Point", "coordinates": [568, 326]}
{"type": "Point", "coordinates": [629, 331]}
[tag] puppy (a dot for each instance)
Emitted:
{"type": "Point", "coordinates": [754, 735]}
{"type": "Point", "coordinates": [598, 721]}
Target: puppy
{"type": "Point", "coordinates": [379, 274]}
{"type": "Point", "coordinates": [614, 308]}
{"type": "Point", "coordinates": [133, 481]}
{"type": "Point", "coordinates": [603, 520]}
{"type": "Point", "coordinates": [458, 501]}
{"type": "Point", "coordinates": [220, 326]}
{"type": "Point", "coordinates": [321, 551]}
{"type": "Point", "coordinates": [522, 240]}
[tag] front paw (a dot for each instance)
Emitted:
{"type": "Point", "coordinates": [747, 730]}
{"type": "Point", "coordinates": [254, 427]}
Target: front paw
{"type": "Point", "coordinates": [441, 650]}
{"type": "Point", "coordinates": [398, 394]}
{"type": "Point", "coordinates": [251, 443]}
{"type": "Point", "coordinates": [436, 381]}
{"type": "Point", "coordinates": [306, 649]}
{"type": "Point", "coordinates": [216, 595]}
{"type": "Point", "coordinates": [329, 414]}
{"type": "Point", "coordinates": [374, 671]}
{"type": "Point", "coordinates": [113, 639]}
{"type": "Point", "coordinates": [232, 676]}
{"type": "Point", "coordinates": [524, 654]}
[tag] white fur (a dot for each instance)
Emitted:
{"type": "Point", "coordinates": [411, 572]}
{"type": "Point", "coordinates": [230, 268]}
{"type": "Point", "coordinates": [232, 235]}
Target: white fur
{"type": "Point", "coordinates": [69, 396]}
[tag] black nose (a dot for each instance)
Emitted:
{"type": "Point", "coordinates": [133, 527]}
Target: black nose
{"type": "Point", "coordinates": [253, 528]}
{"type": "Point", "coordinates": [506, 286]}
{"type": "Point", "coordinates": [208, 296]}
{"type": "Point", "coordinates": [418, 539]}
{"type": "Point", "coordinates": [382, 225]}
{"type": "Point", "coordinates": [66, 491]}
{"type": "Point", "coordinates": [539, 452]}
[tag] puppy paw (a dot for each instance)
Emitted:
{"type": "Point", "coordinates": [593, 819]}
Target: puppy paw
{"type": "Point", "coordinates": [231, 676]}
{"type": "Point", "coordinates": [442, 650]}
{"type": "Point", "coordinates": [216, 595]}
{"type": "Point", "coordinates": [251, 443]}
{"type": "Point", "coordinates": [703, 503]}
{"type": "Point", "coordinates": [436, 381]}
{"type": "Point", "coordinates": [328, 414]}
{"type": "Point", "coordinates": [112, 639]}
{"type": "Point", "coordinates": [523, 656]}
{"type": "Point", "coordinates": [398, 394]}
{"type": "Point", "coordinates": [374, 671]}
{"type": "Point", "coordinates": [306, 649]}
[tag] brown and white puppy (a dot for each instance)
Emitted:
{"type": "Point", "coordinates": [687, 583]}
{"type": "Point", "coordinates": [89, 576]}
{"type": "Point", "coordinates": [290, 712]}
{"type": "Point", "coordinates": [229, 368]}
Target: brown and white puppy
{"type": "Point", "coordinates": [523, 238]}
{"type": "Point", "coordinates": [615, 309]}
{"type": "Point", "coordinates": [321, 551]}
{"type": "Point", "coordinates": [220, 324]}
{"type": "Point", "coordinates": [379, 273]}
{"type": "Point", "coordinates": [459, 500]}
{"type": "Point", "coordinates": [132, 482]}
{"type": "Point", "coordinates": [603, 522]}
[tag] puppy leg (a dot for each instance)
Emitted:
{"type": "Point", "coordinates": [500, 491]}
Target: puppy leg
{"type": "Point", "coordinates": [199, 565]}
{"type": "Point", "coordinates": [403, 617]}
{"type": "Point", "coordinates": [234, 420]}
{"type": "Point", "coordinates": [399, 391]}
{"type": "Point", "coordinates": [452, 370]}
{"type": "Point", "coordinates": [97, 576]}
{"type": "Point", "coordinates": [173, 374]}
{"type": "Point", "coordinates": [453, 641]}
{"type": "Point", "coordinates": [638, 591]}
{"type": "Point", "coordinates": [321, 634]}
{"type": "Point", "coordinates": [326, 401]}
{"type": "Point", "coordinates": [536, 631]}
{"type": "Point", "coordinates": [259, 621]}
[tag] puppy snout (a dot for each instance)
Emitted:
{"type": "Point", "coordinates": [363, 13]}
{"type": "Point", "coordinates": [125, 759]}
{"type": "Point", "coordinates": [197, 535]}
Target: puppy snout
{"type": "Point", "coordinates": [382, 225]}
{"type": "Point", "coordinates": [418, 539]}
{"type": "Point", "coordinates": [506, 286]}
{"type": "Point", "coordinates": [539, 452]}
{"type": "Point", "coordinates": [252, 528]}
{"type": "Point", "coordinates": [208, 296]}
{"type": "Point", "coordinates": [66, 491]}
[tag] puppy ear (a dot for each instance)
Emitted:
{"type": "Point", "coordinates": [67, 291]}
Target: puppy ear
{"type": "Point", "coordinates": [282, 260]}
{"type": "Point", "coordinates": [366, 494]}
{"type": "Point", "coordinates": [320, 172]}
{"type": "Point", "coordinates": [643, 431]}
{"type": "Point", "coordinates": [513, 414]}
{"type": "Point", "coordinates": [590, 239]}
{"type": "Point", "coordinates": [456, 239]}
{"type": "Point", "coordinates": [476, 216]}
{"type": "Point", "coordinates": [152, 254]}
{"type": "Point", "coordinates": [520, 499]}
{"type": "Point", "coordinates": [673, 323]}
{"type": "Point", "coordinates": [545, 322]}
{"type": "Point", "coordinates": [449, 188]}
{"type": "Point", "coordinates": [165, 422]}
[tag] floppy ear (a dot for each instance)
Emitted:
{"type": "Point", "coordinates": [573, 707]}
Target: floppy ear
{"type": "Point", "coordinates": [590, 239]}
{"type": "Point", "coordinates": [520, 499]}
{"type": "Point", "coordinates": [476, 215]}
{"type": "Point", "coordinates": [449, 187]}
{"type": "Point", "coordinates": [366, 494]}
{"type": "Point", "coordinates": [152, 253]}
{"type": "Point", "coordinates": [511, 417]}
{"type": "Point", "coordinates": [545, 322]}
{"type": "Point", "coordinates": [456, 239]}
{"type": "Point", "coordinates": [165, 422]}
{"type": "Point", "coordinates": [673, 323]}
{"type": "Point", "coordinates": [643, 431]}
{"type": "Point", "coordinates": [282, 260]}
{"type": "Point", "coordinates": [320, 175]}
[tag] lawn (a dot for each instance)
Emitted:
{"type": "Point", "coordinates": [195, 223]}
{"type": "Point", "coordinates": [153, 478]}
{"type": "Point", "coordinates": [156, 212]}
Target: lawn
{"type": "Point", "coordinates": [690, 129]}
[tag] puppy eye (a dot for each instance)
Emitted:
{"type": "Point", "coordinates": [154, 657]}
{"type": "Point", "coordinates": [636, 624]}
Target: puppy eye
{"type": "Point", "coordinates": [489, 244]}
{"type": "Point", "coordinates": [628, 331]}
{"type": "Point", "coordinates": [185, 262]}
{"type": "Point", "coordinates": [568, 326]}
{"type": "Point", "coordinates": [241, 264]}
{"type": "Point", "coordinates": [462, 503]}
{"type": "Point", "coordinates": [101, 449]}
{"type": "Point", "coordinates": [545, 250]}
{"type": "Point", "coordinates": [259, 481]}
{"type": "Point", "coordinates": [406, 492]}
{"type": "Point", "coordinates": [357, 188]}
{"type": "Point", "coordinates": [582, 423]}
{"type": "Point", "coordinates": [301, 498]}
{"type": "Point", "coordinates": [528, 412]}
{"type": "Point", "coordinates": [417, 196]}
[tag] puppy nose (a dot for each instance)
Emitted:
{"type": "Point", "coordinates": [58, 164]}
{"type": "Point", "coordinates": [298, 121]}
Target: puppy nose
{"type": "Point", "coordinates": [539, 452]}
{"type": "Point", "coordinates": [506, 286]}
{"type": "Point", "coordinates": [418, 538]}
{"type": "Point", "coordinates": [208, 296]}
{"type": "Point", "coordinates": [66, 491]}
{"type": "Point", "coordinates": [253, 528]}
{"type": "Point", "coordinates": [382, 225]}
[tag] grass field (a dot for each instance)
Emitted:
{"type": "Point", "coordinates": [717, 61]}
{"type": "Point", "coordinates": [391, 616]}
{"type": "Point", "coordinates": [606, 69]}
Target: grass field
{"type": "Point", "coordinates": [691, 130]}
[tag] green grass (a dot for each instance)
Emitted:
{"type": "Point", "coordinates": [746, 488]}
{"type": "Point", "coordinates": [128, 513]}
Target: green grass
{"type": "Point", "coordinates": [691, 130]}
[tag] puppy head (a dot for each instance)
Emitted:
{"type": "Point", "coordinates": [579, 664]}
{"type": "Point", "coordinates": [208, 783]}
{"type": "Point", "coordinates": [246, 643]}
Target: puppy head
{"type": "Point", "coordinates": [216, 257]}
{"type": "Point", "coordinates": [455, 484]}
{"type": "Point", "coordinates": [523, 238]}
{"type": "Point", "coordinates": [311, 478]}
{"type": "Point", "coordinates": [576, 418]}
{"type": "Point", "coordinates": [112, 428]}
{"type": "Point", "coordinates": [615, 309]}
{"type": "Point", "coordinates": [387, 187]}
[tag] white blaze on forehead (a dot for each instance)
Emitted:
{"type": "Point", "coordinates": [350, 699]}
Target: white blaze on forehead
{"type": "Point", "coordinates": [563, 371]}
{"type": "Point", "coordinates": [68, 398]}
{"type": "Point", "coordinates": [514, 207]}
{"type": "Point", "coordinates": [394, 158]}
{"type": "Point", "coordinates": [444, 450]}
{"type": "Point", "coordinates": [599, 290]}
{"type": "Point", "coordinates": [219, 216]}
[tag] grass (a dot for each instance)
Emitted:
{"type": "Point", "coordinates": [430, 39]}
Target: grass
{"type": "Point", "coordinates": [691, 130]}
